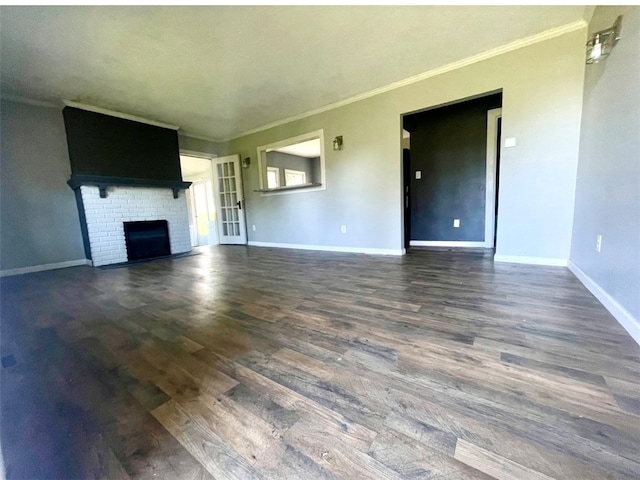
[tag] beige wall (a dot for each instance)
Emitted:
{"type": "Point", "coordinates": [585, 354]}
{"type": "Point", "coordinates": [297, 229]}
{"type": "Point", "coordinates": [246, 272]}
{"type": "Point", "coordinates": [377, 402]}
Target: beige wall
{"type": "Point", "coordinates": [542, 103]}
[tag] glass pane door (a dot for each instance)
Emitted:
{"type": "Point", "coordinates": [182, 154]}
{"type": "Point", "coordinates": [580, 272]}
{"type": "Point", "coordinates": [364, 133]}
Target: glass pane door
{"type": "Point", "coordinates": [228, 185]}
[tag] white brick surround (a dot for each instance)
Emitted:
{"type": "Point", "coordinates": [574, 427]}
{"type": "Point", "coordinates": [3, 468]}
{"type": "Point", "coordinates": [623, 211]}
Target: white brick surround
{"type": "Point", "coordinates": [105, 217]}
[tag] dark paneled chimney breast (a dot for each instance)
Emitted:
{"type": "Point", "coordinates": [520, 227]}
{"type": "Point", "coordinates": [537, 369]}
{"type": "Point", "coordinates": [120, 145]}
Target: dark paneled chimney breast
{"type": "Point", "coordinates": [110, 151]}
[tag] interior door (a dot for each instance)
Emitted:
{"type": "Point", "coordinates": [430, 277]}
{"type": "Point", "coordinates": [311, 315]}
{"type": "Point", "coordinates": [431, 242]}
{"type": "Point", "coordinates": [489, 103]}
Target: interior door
{"type": "Point", "coordinates": [230, 205]}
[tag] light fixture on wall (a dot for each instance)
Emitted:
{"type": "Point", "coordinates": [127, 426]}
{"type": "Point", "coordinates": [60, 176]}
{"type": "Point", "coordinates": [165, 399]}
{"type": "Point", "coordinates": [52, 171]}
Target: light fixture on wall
{"type": "Point", "coordinates": [601, 43]}
{"type": "Point", "coordinates": [246, 162]}
{"type": "Point", "coordinates": [337, 143]}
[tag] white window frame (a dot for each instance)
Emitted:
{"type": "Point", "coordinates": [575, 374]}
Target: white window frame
{"type": "Point", "coordinates": [289, 171]}
{"type": "Point", "coordinates": [275, 170]}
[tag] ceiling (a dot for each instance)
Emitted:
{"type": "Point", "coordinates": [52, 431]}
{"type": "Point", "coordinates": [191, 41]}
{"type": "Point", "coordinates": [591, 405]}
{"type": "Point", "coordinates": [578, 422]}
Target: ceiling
{"type": "Point", "coordinates": [308, 149]}
{"type": "Point", "coordinates": [194, 166]}
{"type": "Point", "coordinates": [220, 71]}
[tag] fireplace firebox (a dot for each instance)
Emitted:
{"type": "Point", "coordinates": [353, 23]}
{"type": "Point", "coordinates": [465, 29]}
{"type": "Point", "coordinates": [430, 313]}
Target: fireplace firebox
{"type": "Point", "coordinates": [147, 239]}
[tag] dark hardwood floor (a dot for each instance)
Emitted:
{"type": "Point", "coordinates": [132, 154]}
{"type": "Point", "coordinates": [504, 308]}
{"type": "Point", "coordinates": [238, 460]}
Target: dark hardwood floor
{"type": "Point", "coordinates": [252, 363]}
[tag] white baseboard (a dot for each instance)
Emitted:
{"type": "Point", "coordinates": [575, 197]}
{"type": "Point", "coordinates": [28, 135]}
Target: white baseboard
{"type": "Point", "coordinates": [329, 248]}
{"type": "Point", "coordinates": [433, 243]}
{"type": "Point", "coordinates": [551, 262]}
{"type": "Point", "coordinates": [621, 314]}
{"type": "Point", "coordinates": [42, 268]}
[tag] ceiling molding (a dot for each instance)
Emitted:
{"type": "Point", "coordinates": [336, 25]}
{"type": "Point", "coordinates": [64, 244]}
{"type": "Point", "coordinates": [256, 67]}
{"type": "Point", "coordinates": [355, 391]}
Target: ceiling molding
{"type": "Point", "coordinates": [29, 101]}
{"type": "Point", "coordinates": [112, 113]}
{"type": "Point", "coordinates": [508, 47]}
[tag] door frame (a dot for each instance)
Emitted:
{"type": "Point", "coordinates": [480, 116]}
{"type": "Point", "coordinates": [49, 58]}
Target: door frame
{"type": "Point", "coordinates": [190, 197]}
{"type": "Point", "coordinates": [492, 172]}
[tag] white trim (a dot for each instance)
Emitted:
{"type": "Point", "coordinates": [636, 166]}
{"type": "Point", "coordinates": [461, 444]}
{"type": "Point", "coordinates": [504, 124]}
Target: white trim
{"type": "Point", "coordinates": [621, 314]}
{"type": "Point", "coordinates": [275, 170]}
{"type": "Point", "coordinates": [437, 243]}
{"type": "Point", "coordinates": [29, 101]}
{"type": "Point", "coordinates": [330, 248]}
{"type": "Point", "coordinates": [194, 153]}
{"type": "Point", "coordinates": [262, 162]}
{"type": "Point", "coordinates": [113, 113]}
{"type": "Point", "coordinates": [42, 268]}
{"type": "Point", "coordinates": [551, 262]}
{"type": "Point", "coordinates": [490, 186]}
{"type": "Point", "coordinates": [494, 52]}
{"type": "Point", "coordinates": [291, 140]}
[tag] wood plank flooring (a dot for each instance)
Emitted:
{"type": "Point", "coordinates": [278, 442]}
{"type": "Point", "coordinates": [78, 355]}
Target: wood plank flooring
{"type": "Point", "coordinates": [252, 363]}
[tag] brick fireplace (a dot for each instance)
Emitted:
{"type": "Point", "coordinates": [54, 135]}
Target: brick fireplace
{"type": "Point", "coordinates": [126, 169]}
{"type": "Point", "coordinates": [105, 219]}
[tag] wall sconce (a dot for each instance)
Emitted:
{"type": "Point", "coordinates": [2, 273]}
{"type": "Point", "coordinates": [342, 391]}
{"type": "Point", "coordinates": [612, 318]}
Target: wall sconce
{"type": "Point", "coordinates": [246, 162]}
{"type": "Point", "coordinates": [337, 143]}
{"type": "Point", "coordinates": [601, 43]}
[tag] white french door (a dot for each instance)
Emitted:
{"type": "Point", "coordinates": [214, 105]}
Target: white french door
{"type": "Point", "coordinates": [230, 200]}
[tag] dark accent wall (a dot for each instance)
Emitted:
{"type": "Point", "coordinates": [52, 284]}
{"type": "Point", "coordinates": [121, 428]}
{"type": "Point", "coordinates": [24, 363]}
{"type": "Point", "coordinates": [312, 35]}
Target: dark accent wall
{"type": "Point", "coordinates": [448, 145]}
{"type": "Point", "coordinates": [108, 146]}
{"type": "Point", "coordinates": [311, 166]}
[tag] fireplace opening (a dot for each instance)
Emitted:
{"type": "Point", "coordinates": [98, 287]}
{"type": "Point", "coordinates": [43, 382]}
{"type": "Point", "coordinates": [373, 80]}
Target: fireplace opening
{"type": "Point", "coordinates": [148, 239]}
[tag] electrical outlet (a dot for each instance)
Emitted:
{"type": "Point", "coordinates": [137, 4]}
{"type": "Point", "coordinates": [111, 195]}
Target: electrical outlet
{"type": "Point", "coordinates": [253, 227]}
{"type": "Point", "coordinates": [343, 229]}
{"type": "Point", "coordinates": [456, 223]}
{"type": "Point", "coordinates": [598, 243]}
{"type": "Point", "coordinates": [418, 174]}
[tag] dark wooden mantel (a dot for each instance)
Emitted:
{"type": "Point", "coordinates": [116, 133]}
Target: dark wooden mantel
{"type": "Point", "coordinates": [76, 181]}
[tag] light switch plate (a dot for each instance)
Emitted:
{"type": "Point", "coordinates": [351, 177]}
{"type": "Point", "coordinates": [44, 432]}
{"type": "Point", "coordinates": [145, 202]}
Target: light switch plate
{"type": "Point", "coordinates": [418, 174]}
{"type": "Point", "coordinates": [509, 142]}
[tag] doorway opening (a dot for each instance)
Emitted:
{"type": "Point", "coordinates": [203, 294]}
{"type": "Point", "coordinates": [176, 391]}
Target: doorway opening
{"type": "Point", "coordinates": [200, 200]}
{"type": "Point", "coordinates": [450, 171]}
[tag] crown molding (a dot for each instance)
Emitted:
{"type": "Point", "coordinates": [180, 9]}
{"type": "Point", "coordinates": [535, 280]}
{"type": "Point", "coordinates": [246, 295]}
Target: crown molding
{"type": "Point", "coordinates": [113, 113]}
{"type": "Point", "coordinates": [30, 101]}
{"type": "Point", "coordinates": [494, 52]}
